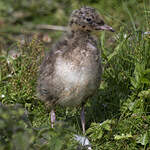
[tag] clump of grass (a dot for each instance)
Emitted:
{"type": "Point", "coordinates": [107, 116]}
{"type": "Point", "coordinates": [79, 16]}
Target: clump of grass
{"type": "Point", "coordinates": [19, 75]}
{"type": "Point", "coordinates": [124, 96]}
{"type": "Point", "coordinates": [18, 133]}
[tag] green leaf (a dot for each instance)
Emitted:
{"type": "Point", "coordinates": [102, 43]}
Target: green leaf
{"type": "Point", "coordinates": [144, 139]}
{"type": "Point", "coordinates": [116, 50]}
{"type": "Point", "coordinates": [21, 141]}
{"type": "Point", "coordinates": [144, 94]}
{"type": "Point", "coordinates": [107, 125]}
{"type": "Point", "coordinates": [123, 136]}
{"type": "Point", "coordinates": [95, 131]}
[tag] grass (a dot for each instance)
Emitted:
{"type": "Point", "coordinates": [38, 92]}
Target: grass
{"type": "Point", "coordinates": [117, 116]}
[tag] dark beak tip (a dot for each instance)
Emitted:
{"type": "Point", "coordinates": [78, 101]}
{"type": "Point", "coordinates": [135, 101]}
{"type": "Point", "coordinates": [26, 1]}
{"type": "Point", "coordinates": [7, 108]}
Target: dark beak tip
{"type": "Point", "coordinates": [112, 30]}
{"type": "Point", "coordinates": [105, 27]}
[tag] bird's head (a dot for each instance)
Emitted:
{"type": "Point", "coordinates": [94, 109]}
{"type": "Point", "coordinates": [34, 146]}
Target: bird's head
{"type": "Point", "coordinates": [87, 19]}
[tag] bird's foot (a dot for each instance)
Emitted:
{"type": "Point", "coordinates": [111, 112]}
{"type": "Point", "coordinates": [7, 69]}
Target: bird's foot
{"type": "Point", "coordinates": [53, 118]}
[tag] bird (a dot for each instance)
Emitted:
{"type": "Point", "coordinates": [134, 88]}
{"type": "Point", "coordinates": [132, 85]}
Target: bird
{"type": "Point", "coordinates": [71, 71]}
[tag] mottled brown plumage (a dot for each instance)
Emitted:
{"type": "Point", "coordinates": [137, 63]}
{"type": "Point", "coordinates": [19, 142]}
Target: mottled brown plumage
{"type": "Point", "coordinates": [71, 70]}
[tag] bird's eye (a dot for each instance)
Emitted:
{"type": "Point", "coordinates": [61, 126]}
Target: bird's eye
{"type": "Point", "coordinates": [88, 19]}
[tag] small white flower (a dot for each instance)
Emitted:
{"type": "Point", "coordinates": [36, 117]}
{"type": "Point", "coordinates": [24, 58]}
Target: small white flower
{"type": "Point", "coordinates": [83, 141]}
{"type": "Point", "coordinates": [9, 75]}
{"type": "Point", "coordinates": [148, 32]}
{"type": "Point", "coordinates": [2, 95]}
{"type": "Point", "coordinates": [125, 35]}
{"type": "Point", "coordinates": [8, 61]}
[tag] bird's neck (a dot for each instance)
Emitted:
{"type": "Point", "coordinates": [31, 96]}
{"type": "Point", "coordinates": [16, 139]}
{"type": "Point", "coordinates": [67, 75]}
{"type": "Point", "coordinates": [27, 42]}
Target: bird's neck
{"type": "Point", "coordinates": [81, 34]}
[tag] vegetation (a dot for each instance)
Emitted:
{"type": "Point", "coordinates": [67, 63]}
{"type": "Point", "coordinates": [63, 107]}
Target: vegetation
{"type": "Point", "coordinates": [117, 117]}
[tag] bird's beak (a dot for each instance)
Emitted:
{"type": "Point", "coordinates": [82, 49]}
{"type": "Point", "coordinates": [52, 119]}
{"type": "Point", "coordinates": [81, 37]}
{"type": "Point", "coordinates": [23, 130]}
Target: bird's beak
{"type": "Point", "coordinates": [105, 27]}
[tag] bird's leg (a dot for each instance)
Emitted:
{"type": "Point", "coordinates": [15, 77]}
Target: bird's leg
{"type": "Point", "coordinates": [53, 118]}
{"type": "Point", "coordinates": [83, 119]}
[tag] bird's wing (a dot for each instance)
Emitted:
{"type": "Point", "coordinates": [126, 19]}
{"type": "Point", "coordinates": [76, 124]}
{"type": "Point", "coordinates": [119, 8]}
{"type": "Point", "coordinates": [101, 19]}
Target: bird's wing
{"type": "Point", "coordinates": [47, 90]}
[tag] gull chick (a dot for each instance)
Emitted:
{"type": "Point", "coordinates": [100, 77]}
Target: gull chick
{"type": "Point", "coordinates": [71, 71]}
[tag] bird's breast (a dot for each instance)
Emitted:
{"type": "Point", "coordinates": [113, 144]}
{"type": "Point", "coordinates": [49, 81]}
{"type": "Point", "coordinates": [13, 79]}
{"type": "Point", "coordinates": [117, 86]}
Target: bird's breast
{"type": "Point", "coordinates": [70, 74]}
{"type": "Point", "coordinates": [78, 78]}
